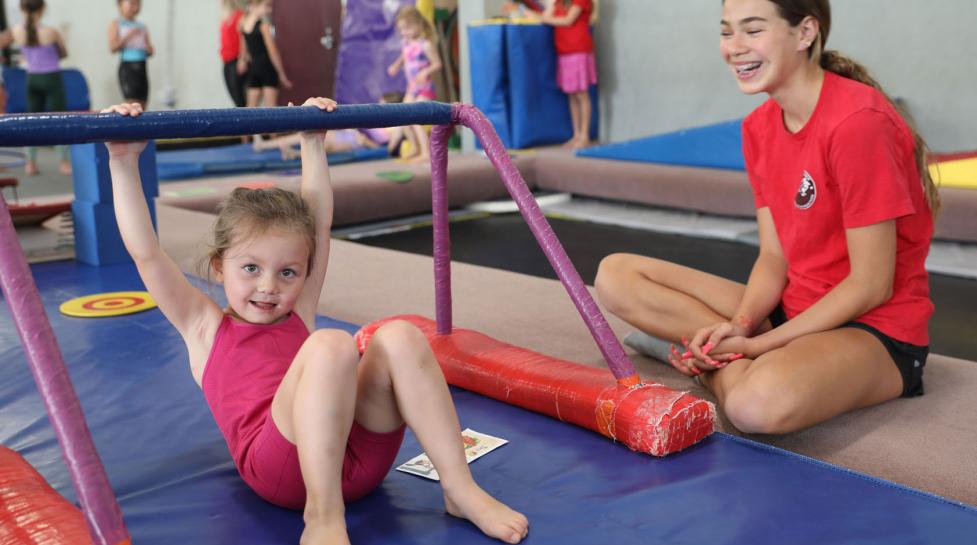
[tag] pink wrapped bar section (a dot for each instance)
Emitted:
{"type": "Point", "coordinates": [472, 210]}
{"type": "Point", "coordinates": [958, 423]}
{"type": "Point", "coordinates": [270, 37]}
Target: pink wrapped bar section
{"type": "Point", "coordinates": [47, 365]}
{"type": "Point", "coordinates": [472, 118]}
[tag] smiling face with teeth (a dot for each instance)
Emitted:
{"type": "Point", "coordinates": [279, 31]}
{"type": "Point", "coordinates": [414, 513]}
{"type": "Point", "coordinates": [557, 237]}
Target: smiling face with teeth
{"type": "Point", "coordinates": [765, 53]}
{"type": "Point", "coordinates": [264, 275]}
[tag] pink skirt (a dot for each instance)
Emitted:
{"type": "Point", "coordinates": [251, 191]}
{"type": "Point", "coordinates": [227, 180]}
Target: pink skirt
{"type": "Point", "coordinates": [576, 72]}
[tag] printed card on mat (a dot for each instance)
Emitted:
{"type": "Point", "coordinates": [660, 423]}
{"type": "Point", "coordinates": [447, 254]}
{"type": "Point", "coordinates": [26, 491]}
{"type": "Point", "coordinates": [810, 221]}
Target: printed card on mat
{"type": "Point", "coordinates": [476, 446]}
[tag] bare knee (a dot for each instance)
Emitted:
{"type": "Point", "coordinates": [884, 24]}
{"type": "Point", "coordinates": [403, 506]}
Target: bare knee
{"type": "Point", "coordinates": [331, 349]}
{"type": "Point", "coordinates": [611, 281]}
{"type": "Point", "coordinates": [399, 335]}
{"type": "Point", "coordinates": [758, 406]}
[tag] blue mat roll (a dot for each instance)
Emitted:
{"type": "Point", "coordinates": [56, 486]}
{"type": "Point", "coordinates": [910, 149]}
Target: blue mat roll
{"type": "Point", "coordinates": [490, 76]}
{"type": "Point", "coordinates": [539, 109]}
{"type": "Point", "coordinates": [75, 87]}
{"type": "Point", "coordinates": [239, 158]}
{"type": "Point", "coordinates": [712, 146]}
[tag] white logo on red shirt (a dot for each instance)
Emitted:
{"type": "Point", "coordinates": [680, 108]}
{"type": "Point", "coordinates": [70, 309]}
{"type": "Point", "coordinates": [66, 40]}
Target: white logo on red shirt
{"type": "Point", "coordinates": [807, 193]}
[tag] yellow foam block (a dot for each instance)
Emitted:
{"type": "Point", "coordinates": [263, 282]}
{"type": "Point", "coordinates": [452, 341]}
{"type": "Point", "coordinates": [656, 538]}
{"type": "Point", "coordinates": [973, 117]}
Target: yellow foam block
{"type": "Point", "coordinates": [960, 173]}
{"type": "Point", "coordinates": [115, 303]}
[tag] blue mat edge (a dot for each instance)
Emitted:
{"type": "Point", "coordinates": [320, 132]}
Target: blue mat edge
{"type": "Point", "coordinates": [855, 473]}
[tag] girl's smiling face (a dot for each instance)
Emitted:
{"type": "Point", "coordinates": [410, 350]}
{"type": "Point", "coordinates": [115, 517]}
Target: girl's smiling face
{"type": "Point", "coordinates": [264, 275]}
{"type": "Point", "coordinates": [760, 46]}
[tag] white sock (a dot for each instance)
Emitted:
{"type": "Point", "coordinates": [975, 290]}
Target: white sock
{"type": "Point", "coordinates": [649, 345]}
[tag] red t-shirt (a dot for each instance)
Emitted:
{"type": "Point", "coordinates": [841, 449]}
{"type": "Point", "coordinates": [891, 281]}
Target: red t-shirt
{"type": "Point", "coordinates": [851, 165]}
{"type": "Point", "coordinates": [230, 36]}
{"type": "Point", "coordinates": [574, 38]}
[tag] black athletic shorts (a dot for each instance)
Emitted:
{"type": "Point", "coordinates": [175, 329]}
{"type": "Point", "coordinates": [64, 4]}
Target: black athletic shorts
{"type": "Point", "coordinates": [909, 358]}
{"type": "Point", "coordinates": [133, 80]}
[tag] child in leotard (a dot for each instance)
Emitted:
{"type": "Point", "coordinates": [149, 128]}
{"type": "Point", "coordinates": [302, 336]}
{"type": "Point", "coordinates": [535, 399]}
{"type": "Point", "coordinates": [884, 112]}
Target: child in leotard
{"type": "Point", "coordinates": [266, 69]}
{"type": "Point", "coordinates": [130, 38]}
{"type": "Point", "coordinates": [43, 48]}
{"type": "Point", "coordinates": [420, 61]}
{"type": "Point", "coordinates": [309, 422]}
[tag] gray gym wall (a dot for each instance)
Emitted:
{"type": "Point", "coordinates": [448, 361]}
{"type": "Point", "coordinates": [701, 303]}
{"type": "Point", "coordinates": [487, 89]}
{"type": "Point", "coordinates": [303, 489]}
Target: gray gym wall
{"type": "Point", "coordinates": [660, 67]}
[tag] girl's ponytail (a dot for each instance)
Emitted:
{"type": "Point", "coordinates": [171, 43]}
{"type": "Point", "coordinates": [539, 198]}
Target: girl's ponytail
{"type": "Point", "coordinates": [794, 12]}
{"type": "Point", "coordinates": [834, 61]}
{"type": "Point", "coordinates": [32, 9]}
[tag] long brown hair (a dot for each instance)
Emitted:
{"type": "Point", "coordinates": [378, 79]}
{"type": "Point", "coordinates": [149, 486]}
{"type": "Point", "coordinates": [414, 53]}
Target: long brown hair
{"type": "Point", "coordinates": [250, 212]}
{"type": "Point", "coordinates": [32, 9]}
{"type": "Point", "coordinates": [795, 11]}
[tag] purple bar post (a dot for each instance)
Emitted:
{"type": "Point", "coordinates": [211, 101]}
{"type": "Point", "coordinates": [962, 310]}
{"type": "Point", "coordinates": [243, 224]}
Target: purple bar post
{"type": "Point", "coordinates": [442, 242]}
{"type": "Point", "coordinates": [51, 375]}
{"type": "Point", "coordinates": [610, 347]}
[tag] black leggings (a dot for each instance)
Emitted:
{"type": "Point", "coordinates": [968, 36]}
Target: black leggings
{"type": "Point", "coordinates": [236, 83]}
{"type": "Point", "coordinates": [45, 93]}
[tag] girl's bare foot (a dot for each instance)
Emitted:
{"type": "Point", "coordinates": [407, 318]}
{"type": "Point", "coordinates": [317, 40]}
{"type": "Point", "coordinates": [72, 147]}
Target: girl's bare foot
{"type": "Point", "coordinates": [65, 168]}
{"type": "Point", "coordinates": [492, 517]}
{"type": "Point", "coordinates": [30, 168]}
{"type": "Point", "coordinates": [580, 143]}
{"type": "Point", "coordinates": [571, 143]}
{"type": "Point", "coordinates": [324, 532]}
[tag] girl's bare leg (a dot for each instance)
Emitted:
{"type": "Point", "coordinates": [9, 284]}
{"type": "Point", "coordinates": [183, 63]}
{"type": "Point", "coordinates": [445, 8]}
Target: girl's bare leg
{"type": "Point", "coordinates": [400, 381]}
{"type": "Point", "coordinates": [812, 379]}
{"type": "Point", "coordinates": [664, 299]}
{"type": "Point", "coordinates": [252, 99]}
{"type": "Point", "coordinates": [423, 144]}
{"type": "Point", "coordinates": [582, 130]}
{"type": "Point", "coordinates": [574, 118]}
{"type": "Point", "coordinates": [314, 409]}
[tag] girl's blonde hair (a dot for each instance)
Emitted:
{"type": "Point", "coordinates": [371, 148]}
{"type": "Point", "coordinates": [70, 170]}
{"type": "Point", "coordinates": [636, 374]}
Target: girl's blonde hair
{"type": "Point", "coordinates": [795, 11]}
{"type": "Point", "coordinates": [247, 213]}
{"type": "Point", "coordinates": [411, 15]}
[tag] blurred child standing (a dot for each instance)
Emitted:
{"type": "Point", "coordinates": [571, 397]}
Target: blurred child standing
{"type": "Point", "coordinates": [267, 70]}
{"type": "Point", "coordinates": [43, 48]}
{"type": "Point", "coordinates": [420, 61]}
{"type": "Point", "coordinates": [235, 66]}
{"type": "Point", "coordinates": [576, 68]}
{"type": "Point", "coordinates": [130, 38]}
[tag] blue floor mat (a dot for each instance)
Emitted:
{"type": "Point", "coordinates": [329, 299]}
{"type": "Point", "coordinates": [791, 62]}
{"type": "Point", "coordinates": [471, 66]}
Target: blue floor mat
{"type": "Point", "coordinates": [176, 483]}
{"type": "Point", "coordinates": [239, 158]}
{"type": "Point", "coordinates": [712, 146]}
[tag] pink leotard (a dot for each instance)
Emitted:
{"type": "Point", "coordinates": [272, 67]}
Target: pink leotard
{"type": "Point", "coordinates": [245, 367]}
{"type": "Point", "coordinates": [415, 60]}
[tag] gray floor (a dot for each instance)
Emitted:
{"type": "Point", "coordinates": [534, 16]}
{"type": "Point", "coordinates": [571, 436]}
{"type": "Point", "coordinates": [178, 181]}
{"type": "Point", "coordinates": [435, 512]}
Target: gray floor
{"type": "Point", "coordinates": [45, 184]}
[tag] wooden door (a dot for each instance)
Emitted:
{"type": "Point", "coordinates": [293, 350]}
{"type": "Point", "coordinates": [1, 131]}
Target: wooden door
{"type": "Point", "coordinates": [307, 33]}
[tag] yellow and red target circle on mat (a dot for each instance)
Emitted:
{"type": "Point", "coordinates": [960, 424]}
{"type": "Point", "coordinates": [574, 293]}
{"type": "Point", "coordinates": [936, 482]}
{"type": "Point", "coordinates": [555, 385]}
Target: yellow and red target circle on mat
{"type": "Point", "coordinates": [115, 303]}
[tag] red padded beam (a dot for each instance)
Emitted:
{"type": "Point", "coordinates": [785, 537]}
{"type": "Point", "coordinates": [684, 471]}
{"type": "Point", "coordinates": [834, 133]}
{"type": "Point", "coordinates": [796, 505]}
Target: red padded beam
{"type": "Point", "coordinates": [649, 418]}
{"type": "Point", "coordinates": [31, 512]}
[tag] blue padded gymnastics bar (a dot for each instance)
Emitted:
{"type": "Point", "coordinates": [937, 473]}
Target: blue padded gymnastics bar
{"type": "Point", "coordinates": [98, 241]}
{"type": "Point", "coordinates": [70, 128]}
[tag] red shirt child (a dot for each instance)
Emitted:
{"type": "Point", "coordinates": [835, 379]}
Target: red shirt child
{"type": "Point", "coordinates": [574, 38]}
{"type": "Point", "coordinates": [851, 165]}
{"type": "Point", "coordinates": [230, 37]}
